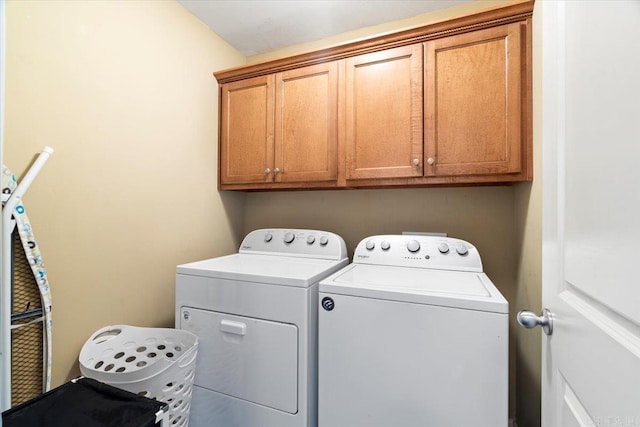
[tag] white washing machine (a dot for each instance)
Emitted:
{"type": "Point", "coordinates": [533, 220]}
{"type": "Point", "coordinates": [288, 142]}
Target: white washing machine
{"type": "Point", "coordinates": [256, 315]}
{"type": "Point", "coordinates": [413, 333]}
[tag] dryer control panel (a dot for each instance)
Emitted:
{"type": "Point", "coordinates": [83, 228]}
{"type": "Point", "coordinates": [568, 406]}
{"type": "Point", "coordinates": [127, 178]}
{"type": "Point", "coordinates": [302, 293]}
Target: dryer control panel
{"type": "Point", "coordinates": [295, 242]}
{"type": "Point", "coordinates": [419, 251]}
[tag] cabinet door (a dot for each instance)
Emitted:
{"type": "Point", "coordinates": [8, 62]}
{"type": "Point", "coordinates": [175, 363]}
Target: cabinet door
{"type": "Point", "coordinates": [246, 134]}
{"type": "Point", "coordinates": [384, 114]}
{"type": "Point", "coordinates": [473, 103]}
{"type": "Point", "coordinates": [306, 124]}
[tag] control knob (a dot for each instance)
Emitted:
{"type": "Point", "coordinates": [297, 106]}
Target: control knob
{"type": "Point", "coordinates": [462, 250]}
{"type": "Point", "coordinates": [289, 237]}
{"type": "Point", "coordinates": [370, 245]}
{"type": "Point", "coordinates": [268, 237]}
{"type": "Point", "coordinates": [311, 239]}
{"type": "Point", "coordinates": [324, 240]}
{"type": "Point", "coordinates": [413, 246]}
{"type": "Point", "coordinates": [443, 248]}
{"type": "Point", "coordinates": [385, 245]}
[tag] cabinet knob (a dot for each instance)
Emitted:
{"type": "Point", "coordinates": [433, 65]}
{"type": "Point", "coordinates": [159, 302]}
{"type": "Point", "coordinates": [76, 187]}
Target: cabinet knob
{"type": "Point", "coordinates": [416, 162]}
{"type": "Point", "coordinates": [276, 171]}
{"type": "Point", "coordinates": [430, 161]}
{"type": "Point", "coordinates": [267, 171]}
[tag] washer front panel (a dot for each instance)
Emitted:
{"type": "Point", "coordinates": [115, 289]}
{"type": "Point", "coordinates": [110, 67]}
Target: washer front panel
{"type": "Point", "coordinates": [387, 363]}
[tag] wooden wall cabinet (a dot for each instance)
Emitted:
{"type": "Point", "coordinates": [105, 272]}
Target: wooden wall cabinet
{"type": "Point", "coordinates": [280, 128]}
{"type": "Point", "coordinates": [383, 118]}
{"type": "Point", "coordinates": [306, 115]}
{"type": "Point", "coordinates": [446, 104]}
{"type": "Point", "coordinates": [473, 103]}
{"type": "Point", "coordinates": [246, 130]}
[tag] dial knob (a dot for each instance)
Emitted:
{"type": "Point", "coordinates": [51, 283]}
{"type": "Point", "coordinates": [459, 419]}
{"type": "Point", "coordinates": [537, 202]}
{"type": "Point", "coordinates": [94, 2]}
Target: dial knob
{"type": "Point", "coordinates": [324, 240]}
{"type": "Point", "coordinates": [385, 245]}
{"type": "Point", "coordinates": [443, 248]}
{"type": "Point", "coordinates": [462, 250]}
{"type": "Point", "coordinates": [289, 237]}
{"type": "Point", "coordinates": [370, 245]}
{"type": "Point", "coordinates": [311, 239]}
{"type": "Point", "coordinates": [413, 246]}
{"type": "Point", "coordinates": [268, 237]}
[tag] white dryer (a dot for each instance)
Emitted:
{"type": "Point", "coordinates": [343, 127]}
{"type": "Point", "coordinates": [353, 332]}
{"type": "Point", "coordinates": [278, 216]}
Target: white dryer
{"type": "Point", "coordinates": [413, 333]}
{"type": "Point", "coordinates": [256, 315]}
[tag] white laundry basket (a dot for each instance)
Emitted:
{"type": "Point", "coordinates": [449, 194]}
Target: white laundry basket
{"type": "Point", "coordinates": [153, 362]}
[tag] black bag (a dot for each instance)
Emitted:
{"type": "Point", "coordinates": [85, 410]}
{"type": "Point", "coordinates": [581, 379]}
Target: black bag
{"type": "Point", "coordinates": [85, 403]}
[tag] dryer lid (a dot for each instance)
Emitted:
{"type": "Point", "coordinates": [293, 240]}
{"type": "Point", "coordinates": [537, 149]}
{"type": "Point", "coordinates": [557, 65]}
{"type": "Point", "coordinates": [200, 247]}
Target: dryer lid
{"type": "Point", "coordinates": [458, 289]}
{"type": "Point", "coordinates": [269, 269]}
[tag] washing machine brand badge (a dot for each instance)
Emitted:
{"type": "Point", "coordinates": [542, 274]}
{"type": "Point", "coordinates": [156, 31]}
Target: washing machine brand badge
{"type": "Point", "coordinates": [328, 303]}
{"type": "Point", "coordinates": [246, 247]}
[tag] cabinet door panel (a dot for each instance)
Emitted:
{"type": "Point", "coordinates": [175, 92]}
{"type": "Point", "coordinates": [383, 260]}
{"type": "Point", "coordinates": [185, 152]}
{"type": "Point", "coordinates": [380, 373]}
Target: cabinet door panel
{"type": "Point", "coordinates": [384, 114]}
{"type": "Point", "coordinates": [246, 135]}
{"type": "Point", "coordinates": [306, 124]}
{"type": "Point", "coordinates": [473, 102]}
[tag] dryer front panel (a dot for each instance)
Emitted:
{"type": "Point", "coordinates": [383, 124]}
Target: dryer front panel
{"type": "Point", "coordinates": [246, 358]}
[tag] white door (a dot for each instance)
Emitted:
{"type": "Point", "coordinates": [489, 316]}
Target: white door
{"type": "Point", "coordinates": [591, 212]}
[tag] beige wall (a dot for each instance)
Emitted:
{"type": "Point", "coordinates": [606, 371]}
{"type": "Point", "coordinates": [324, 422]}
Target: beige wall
{"type": "Point", "coordinates": [529, 236]}
{"type": "Point", "coordinates": [123, 91]}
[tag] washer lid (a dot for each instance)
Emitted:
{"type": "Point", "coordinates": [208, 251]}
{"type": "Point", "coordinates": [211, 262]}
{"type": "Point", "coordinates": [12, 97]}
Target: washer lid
{"type": "Point", "coordinates": [270, 269]}
{"type": "Point", "coordinates": [467, 290]}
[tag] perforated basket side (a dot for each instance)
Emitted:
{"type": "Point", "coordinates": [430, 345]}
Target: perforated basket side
{"type": "Point", "coordinates": [123, 354]}
{"type": "Point", "coordinates": [175, 387]}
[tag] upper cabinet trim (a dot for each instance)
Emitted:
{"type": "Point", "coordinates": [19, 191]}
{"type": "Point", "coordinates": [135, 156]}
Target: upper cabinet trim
{"type": "Point", "coordinates": [499, 15]}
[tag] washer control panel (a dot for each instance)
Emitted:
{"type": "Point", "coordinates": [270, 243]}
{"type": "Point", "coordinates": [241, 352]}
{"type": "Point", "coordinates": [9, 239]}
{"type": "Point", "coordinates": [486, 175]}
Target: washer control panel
{"type": "Point", "coordinates": [295, 242]}
{"type": "Point", "coordinates": [442, 253]}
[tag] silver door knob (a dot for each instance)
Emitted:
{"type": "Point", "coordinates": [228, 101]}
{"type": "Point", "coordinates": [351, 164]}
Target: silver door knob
{"type": "Point", "coordinates": [276, 171]}
{"type": "Point", "coordinates": [430, 161]}
{"type": "Point", "coordinates": [416, 162]}
{"type": "Point", "coordinates": [530, 320]}
{"type": "Point", "coordinates": [267, 171]}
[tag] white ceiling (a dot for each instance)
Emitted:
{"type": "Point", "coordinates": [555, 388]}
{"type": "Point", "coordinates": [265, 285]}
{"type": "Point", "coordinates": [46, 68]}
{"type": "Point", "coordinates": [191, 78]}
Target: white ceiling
{"type": "Point", "coordinates": [257, 26]}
